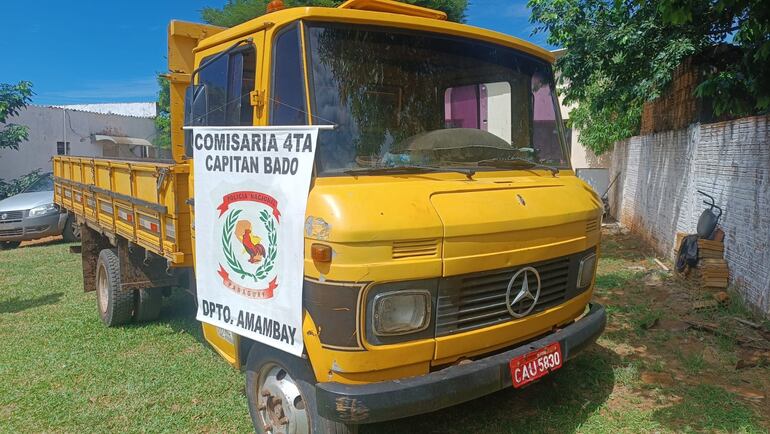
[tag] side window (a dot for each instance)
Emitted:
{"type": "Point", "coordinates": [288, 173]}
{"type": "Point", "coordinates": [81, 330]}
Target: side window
{"type": "Point", "coordinates": [229, 80]}
{"type": "Point", "coordinates": [288, 95]}
{"type": "Point", "coordinates": [545, 127]}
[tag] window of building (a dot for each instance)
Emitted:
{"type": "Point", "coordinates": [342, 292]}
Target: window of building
{"type": "Point", "coordinates": [62, 148]}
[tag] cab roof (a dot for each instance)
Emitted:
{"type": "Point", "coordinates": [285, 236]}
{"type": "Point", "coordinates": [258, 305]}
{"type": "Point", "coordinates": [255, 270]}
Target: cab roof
{"type": "Point", "coordinates": [384, 13]}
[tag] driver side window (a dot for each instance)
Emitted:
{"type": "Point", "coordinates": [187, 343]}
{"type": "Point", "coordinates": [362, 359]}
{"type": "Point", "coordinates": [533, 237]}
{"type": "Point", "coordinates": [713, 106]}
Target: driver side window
{"type": "Point", "coordinates": [229, 81]}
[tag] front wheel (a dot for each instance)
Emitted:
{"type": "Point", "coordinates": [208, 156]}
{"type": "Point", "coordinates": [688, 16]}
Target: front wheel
{"type": "Point", "coordinates": [281, 392]}
{"type": "Point", "coordinates": [9, 245]}
{"type": "Point", "coordinates": [71, 232]}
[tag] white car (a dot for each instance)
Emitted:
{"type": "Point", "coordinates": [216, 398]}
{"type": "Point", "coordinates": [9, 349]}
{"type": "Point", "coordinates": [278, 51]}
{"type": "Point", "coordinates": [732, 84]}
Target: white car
{"type": "Point", "coordinates": [32, 214]}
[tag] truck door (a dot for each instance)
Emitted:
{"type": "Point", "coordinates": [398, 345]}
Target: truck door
{"type": "Point", "coordinates": [232, 100]}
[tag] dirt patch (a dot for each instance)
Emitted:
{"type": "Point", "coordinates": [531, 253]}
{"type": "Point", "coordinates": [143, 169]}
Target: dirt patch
{"type": "Point", "coordinates": [42, 241]}
{"type": "Point", "coordinates": [682, 353]}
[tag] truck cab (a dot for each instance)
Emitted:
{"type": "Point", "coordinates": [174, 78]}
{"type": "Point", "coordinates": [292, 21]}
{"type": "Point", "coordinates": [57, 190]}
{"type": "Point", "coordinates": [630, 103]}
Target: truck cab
{"type": "Point", "coordinates": [450, 250]}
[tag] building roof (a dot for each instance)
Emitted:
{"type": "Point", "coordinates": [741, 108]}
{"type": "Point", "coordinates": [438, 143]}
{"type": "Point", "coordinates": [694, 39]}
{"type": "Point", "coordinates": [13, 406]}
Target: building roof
{"type": "Point", "coordinates": [135, 109]}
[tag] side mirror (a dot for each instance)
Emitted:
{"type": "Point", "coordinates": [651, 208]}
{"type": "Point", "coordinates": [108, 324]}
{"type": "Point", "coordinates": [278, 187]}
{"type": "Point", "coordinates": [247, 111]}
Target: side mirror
{"type": "Point", "coordinates": [195, 112]}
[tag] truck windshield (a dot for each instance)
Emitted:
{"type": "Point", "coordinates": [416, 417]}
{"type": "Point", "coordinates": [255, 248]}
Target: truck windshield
{"type": "Point", "coordinates": [401, 98]}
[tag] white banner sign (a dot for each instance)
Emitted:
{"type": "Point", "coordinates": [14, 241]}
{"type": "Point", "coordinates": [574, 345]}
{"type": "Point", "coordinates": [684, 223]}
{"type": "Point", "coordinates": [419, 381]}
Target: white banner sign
{"type": "Point", "coordinates": [251, 187]}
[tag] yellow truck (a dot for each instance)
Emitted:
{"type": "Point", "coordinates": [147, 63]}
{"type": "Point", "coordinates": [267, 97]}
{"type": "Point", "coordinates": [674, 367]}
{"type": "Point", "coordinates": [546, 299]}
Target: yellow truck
{"type": "Point", "coordinates": [449, 248]}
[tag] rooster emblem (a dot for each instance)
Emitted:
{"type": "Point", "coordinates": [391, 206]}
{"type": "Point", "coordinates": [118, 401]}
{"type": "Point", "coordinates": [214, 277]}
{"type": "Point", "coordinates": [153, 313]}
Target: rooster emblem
{"type": "Point", "coordinates": [252, 244]}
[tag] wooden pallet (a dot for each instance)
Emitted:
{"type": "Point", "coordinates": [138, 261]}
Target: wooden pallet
{"type": "Point", "coordinates": [678, 240]}
{"type": "Point", "coordinates": [708, 249]}
{"type": "Point", "coordinates": [714, 272]}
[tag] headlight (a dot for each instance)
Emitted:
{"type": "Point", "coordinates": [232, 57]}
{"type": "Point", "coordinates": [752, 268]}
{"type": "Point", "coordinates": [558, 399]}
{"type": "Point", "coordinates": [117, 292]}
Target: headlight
{"type": "Point", "coordinates": [43, 210]}
{"type": "Point", "coordinates": [586, 270]}
{"type": "Point", "coordinates": [401, 312]}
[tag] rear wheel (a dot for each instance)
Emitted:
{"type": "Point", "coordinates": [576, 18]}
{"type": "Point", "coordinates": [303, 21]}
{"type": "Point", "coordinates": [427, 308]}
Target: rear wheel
{"type": "Point", "coordinates": [9, 245]}
{"type": "Point", "coordinates": [115, 304]}
{"type": "Point", "coordinates": [71, 232]}
{"type": "Point", "coordinates": [281, 392]}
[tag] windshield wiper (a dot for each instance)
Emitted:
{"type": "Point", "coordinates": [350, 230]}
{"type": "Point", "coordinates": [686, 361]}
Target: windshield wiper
{"type": "Point", "coordinates": [410, 169]}
{"type": "Point", "coordinates": [518, 163]}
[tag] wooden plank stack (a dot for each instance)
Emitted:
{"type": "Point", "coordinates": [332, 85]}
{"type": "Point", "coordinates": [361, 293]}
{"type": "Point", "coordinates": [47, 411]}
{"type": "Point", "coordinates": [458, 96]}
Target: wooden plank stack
{"type": "Point", "coordinates": [678, 240]}
{"type": "Point", "coordinates": [712, 267]}
{"type": "Point", "coordinates": [714, 272]}
{"type": "Point", "coordinates": [708, 249]}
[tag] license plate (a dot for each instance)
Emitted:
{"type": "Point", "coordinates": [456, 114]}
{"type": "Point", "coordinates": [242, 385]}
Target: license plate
{"type": "Point", "coordinates": [531, 366]}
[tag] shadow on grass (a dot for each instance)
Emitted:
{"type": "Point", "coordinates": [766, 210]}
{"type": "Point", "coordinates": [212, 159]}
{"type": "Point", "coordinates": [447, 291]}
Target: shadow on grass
{"type": "Point", "coordinates": [17, 304]}
{"type": "Point", "coordinates": [561, 402]}
{"type": "Point", "coordinates": [178, 312]}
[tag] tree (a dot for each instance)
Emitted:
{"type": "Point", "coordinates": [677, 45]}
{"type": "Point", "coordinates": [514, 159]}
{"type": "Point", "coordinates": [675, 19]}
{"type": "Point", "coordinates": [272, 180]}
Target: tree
{"type": "Point", "coordinates": [163, 116]}
{"type": "Point", "coordinates": [237, 11]}
{"type": "Point", "coordinates": [12, 99]}
{"type": "Point", "coordinates": [623, 53]}
{"type": "Point", "coordinates": [739, 85]}
{"type": "Point", "coordinates": [18, 185]}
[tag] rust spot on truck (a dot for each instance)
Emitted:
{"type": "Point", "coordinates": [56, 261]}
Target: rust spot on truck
{"type": "Point", "coordinates": [351, 409]}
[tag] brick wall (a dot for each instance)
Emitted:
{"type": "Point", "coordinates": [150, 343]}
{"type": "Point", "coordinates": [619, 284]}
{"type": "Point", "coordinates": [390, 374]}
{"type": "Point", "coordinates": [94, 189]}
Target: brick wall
{"type": "Point", "coordinates": [656, 194]}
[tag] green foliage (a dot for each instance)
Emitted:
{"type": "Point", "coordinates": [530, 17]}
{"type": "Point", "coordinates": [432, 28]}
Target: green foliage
{"type": "Point", "coordinates": [235, 12]}
{"type": "Point", "coordinates": [739, 84]}
{"type": "Point", "coordinates": [622, 53]}
{"type": "Point", "coordinates": [13, 97]}
{"type": "Point", "coordinates": [16, 186]}
{"type": "Point", "coordinates": [163, 116]}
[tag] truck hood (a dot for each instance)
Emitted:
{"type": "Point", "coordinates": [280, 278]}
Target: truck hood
{"type": "Point", "coordinates": [521, 221]}
{"type": "Point", "coordinates": [24, 201]}
{"type": "Point", "coordinates": [483, 224]}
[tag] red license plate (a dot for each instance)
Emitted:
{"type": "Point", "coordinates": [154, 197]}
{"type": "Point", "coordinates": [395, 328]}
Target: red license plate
{"type": "Point", "coordinates": [531, 366]}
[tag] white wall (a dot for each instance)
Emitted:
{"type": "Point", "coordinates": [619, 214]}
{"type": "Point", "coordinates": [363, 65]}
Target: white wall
{"type": "Point", "coordinates": [48, 125]}
{"type": "Point", "coordinates": [656, 194]}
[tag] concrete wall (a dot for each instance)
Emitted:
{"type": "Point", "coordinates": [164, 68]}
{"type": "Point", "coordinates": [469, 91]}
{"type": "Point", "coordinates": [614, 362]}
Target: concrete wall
{"type": "Point", "coordinates": [656, 194]}
{"type": "Point", "coordinates": [48, 125]}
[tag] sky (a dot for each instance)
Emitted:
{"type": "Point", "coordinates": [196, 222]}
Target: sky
{"type": "Point", "coordinates": [89, 51]}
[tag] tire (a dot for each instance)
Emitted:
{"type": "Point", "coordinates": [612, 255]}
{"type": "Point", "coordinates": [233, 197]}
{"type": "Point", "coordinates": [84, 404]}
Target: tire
{"type": "Point", "coordinates": [291, 379]}
{"type": "Point", "coordinates": [9, 245]}
{"type": "Point", "coordinates": [148, 304]}
{"type": "Point", "coordinates": [115, 305]}
{"type": "Point", "coordinates": [71, 231]}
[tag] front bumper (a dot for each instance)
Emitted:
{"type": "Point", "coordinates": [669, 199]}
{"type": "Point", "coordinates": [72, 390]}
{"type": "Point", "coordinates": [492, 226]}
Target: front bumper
{"type": "Point", "coordinates": [388, 400]}
{"type": "Point", "coordinates": [33, 228]}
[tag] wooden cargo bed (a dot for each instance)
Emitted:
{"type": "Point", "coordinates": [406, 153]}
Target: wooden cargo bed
{"type": "Point", "coordinates": [142, 201]}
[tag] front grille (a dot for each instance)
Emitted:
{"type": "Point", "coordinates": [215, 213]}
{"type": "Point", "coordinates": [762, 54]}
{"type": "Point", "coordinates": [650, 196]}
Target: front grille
{"type": "Point", "coordinates": [11, 216]}
{"type": "Point", "coordinates": [478, 300]}
{"type": "Point", "coordinates": [11, 232]}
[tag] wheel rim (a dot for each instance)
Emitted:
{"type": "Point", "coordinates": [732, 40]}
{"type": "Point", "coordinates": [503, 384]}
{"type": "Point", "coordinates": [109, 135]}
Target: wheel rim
{"type": "Point", "coordinates": [280, 406]}
{"type": "Point", "coordinates": [102, 288]}
{"type": "Point", "coordinates": [76, 230]}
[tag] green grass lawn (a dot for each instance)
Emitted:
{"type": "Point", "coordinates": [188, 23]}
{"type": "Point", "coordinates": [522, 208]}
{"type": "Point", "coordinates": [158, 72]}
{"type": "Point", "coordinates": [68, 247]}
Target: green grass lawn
{"type": "Point", "coordinates": [62, 371]}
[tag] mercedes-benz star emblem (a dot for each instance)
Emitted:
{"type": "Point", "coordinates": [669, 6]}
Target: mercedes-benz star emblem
{"type": "Point", "coordinates": [520, 283]}
{"type": "Point", "coordinates": [3, 216]}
